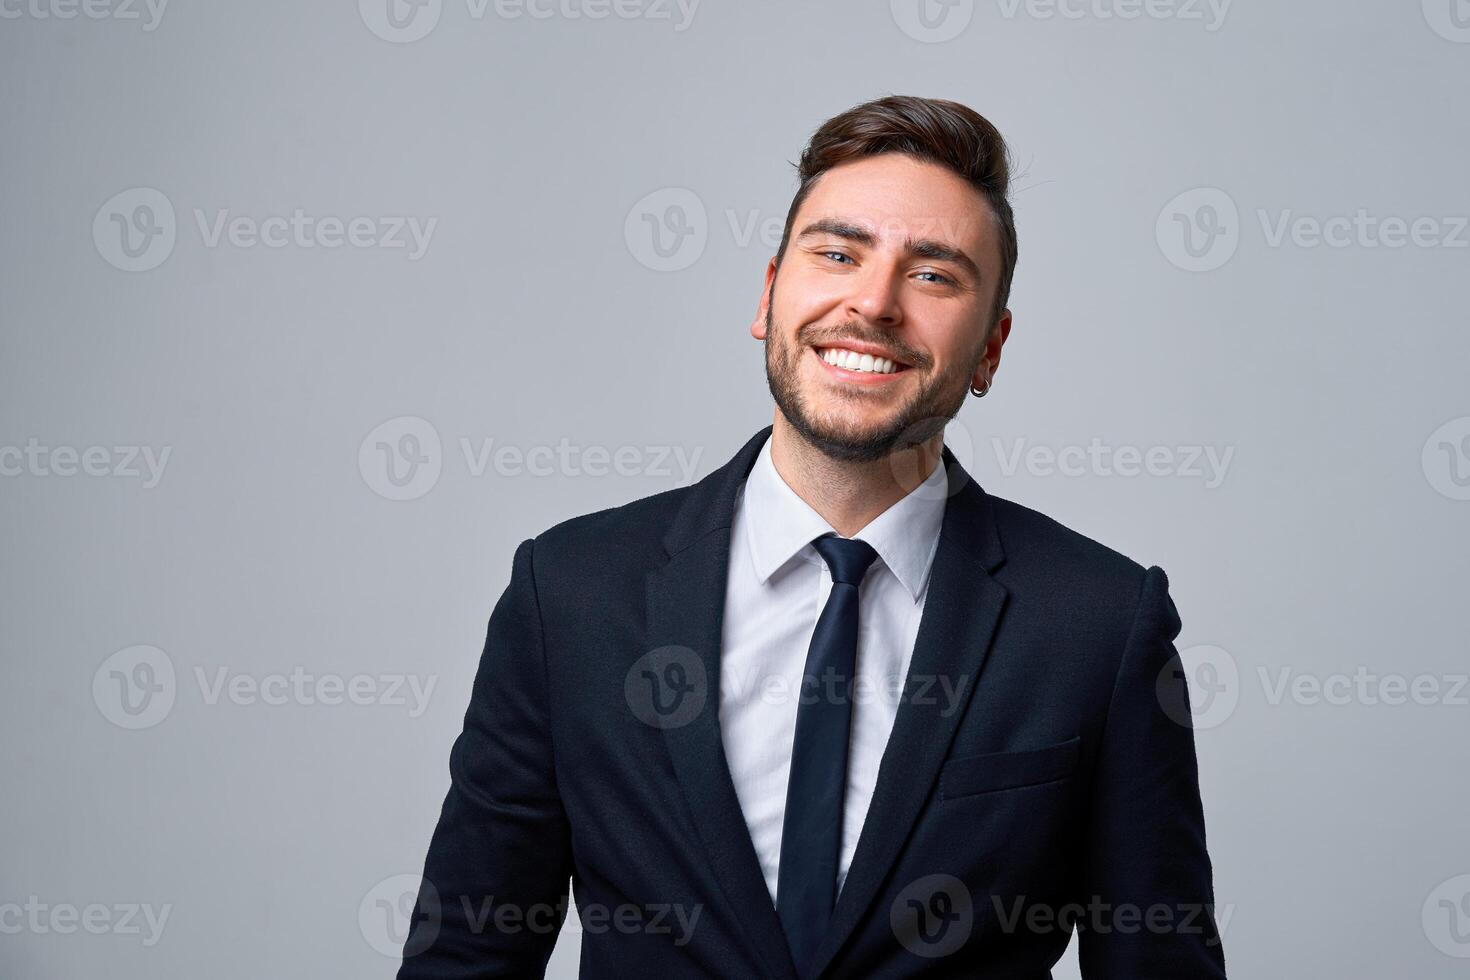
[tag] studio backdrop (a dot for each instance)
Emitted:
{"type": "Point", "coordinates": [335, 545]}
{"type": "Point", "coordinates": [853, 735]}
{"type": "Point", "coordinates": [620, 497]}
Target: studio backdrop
{"type": "Point", "coordinates": [310, 313]}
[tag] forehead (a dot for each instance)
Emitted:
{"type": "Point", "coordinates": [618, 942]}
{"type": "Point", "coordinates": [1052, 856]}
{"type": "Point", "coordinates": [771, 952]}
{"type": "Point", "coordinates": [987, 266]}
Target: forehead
{"type": "Point", "coordinates": [897, 197]}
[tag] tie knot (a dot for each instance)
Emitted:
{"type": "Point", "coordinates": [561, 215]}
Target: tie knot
{"type": "Point", "coordinates": [847, 558]}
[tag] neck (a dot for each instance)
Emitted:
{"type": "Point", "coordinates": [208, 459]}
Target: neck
{"type": "Point", "coordinates": [848, 494]}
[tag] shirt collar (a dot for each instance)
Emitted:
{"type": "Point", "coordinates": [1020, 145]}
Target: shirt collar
{"type": "Point", "coordinates": [779, 525]}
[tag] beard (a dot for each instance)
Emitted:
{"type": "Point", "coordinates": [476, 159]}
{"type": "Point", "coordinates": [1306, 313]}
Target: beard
{"type": "Point", "coordinates": [936, 398]}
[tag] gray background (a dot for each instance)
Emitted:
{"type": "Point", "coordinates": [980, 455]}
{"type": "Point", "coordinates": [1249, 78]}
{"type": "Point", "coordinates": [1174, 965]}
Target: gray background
{"type": "Point", "coordinates": [540, 315]}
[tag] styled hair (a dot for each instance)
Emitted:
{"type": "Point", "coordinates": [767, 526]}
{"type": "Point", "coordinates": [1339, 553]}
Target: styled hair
{"type": "Point", "coordinates": [949, 134]}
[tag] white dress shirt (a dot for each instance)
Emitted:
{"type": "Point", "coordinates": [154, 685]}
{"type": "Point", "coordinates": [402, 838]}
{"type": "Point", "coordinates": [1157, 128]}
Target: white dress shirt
{"type": "Point", "coordinates": [776, 588]}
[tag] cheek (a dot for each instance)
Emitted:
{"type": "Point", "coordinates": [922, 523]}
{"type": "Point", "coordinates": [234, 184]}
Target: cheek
{"type": "Point", "coordinates": [803, 298]}
{"type": "Point", "coordinates": [952, 340]}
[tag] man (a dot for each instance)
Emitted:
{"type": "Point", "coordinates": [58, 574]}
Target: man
{"type": "Point", "coordinates": [835, 710]}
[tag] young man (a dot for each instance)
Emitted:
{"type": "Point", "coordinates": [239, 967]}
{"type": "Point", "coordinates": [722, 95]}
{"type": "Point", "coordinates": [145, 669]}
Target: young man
{"type": "Point", "coordinates": [835, 710]}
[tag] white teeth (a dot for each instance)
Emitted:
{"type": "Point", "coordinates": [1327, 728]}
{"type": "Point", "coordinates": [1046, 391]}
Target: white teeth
{"type": "Point", "coordinates": [853, 361]}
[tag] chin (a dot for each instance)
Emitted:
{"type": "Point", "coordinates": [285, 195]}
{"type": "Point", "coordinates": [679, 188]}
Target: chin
{"type": "Point", "coordinates": [839, 436]}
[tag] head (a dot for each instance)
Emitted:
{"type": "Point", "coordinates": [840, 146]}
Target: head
{"type": "Point", "coordinates": [887, 298]}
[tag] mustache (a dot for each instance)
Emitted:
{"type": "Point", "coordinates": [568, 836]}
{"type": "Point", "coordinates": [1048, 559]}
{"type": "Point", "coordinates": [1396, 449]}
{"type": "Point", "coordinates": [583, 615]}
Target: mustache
{"type": "Point", "coordinates": [834, 336]}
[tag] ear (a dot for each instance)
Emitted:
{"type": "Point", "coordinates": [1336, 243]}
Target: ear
{"type": "Point", "coordinates": [990, 361]}
{"type": "Point", "coordinates": [758, 325]}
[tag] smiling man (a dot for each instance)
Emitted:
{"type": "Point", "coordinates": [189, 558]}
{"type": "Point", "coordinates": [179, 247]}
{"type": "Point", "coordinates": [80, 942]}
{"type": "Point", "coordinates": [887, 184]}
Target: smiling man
{"type": "Point", "coordinates": [835, 710]}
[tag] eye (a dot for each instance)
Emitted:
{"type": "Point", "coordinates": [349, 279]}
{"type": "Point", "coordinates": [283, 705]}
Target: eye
{"type": "Point", "coordinates": [938, 277]}
{"type": "Point", "coordinates": [838, 256]}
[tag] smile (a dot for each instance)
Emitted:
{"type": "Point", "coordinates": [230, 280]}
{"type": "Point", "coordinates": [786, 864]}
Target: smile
{"type": "Point", "coordinates": [859, 362]}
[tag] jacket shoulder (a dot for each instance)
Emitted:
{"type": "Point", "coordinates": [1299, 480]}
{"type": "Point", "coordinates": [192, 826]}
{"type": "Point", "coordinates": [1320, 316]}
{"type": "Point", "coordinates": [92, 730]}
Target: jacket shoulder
{"type": "Point", "coordinates": [1063, 576]}
{"type": "Point", "coordinates": [631, 531]}
{"type": "Point", "coordinates": [1041, 549]}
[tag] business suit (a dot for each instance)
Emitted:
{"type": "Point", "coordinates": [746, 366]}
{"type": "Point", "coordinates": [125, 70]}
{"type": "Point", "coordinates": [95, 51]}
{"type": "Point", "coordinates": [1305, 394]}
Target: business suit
{"type": "Point", "coordinates": [1054, 772]}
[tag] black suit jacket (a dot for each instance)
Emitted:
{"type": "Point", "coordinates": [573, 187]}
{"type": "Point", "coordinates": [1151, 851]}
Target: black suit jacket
{"type": "Point", "coordinates": [1040, 772]}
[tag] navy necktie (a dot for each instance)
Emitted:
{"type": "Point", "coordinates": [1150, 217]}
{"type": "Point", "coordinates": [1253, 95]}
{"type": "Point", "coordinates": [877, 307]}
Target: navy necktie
{"type": "Point", "coordinates": [811, 833]}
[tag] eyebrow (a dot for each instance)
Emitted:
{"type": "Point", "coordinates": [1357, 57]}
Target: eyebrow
{"type": "Point", "coordinates": [926, 248]}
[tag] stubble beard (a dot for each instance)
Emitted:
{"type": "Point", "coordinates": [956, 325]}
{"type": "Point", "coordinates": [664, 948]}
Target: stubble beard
{"type": "Point", "coordinates": [936, 400]}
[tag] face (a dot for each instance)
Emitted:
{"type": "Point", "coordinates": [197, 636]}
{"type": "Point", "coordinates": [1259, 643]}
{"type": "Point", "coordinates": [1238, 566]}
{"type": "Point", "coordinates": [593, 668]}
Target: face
{"type": "Point", "coordinates": [875, 324]}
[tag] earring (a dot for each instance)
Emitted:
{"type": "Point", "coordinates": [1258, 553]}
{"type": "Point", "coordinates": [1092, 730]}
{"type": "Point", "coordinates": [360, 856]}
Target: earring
{"type": "Point", "coordinates": [981, 392]}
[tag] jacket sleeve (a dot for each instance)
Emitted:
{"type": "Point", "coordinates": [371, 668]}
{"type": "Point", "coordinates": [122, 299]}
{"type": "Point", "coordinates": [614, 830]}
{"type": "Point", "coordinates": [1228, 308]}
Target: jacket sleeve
{"type": "Point", "coordinates": [1148, 881]}
{"type": "Point", "coordinates": [494, 893]}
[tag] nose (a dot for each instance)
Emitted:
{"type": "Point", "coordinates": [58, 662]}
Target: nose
{"type": "Point", "coordinates": [875, 295]}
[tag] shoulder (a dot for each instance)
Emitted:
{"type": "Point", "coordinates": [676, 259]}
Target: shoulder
{"type": "Point", "coordinates": [1044, 538]}
{"type": "Point", "coordinates": [617, 538]}
{"type": "Point", "coordinates": [1048, 559]}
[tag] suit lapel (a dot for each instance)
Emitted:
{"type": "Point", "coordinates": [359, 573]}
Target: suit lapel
{"type": "Point", "coordinates": [961, 612]}
{"type": "Point", "coordinates": [685, 605]}
{"type": "Point", "coordinates": [686, 599]}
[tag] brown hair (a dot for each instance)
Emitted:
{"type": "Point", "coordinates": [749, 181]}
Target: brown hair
{"type": "Point", "coordinates": [947, 133]}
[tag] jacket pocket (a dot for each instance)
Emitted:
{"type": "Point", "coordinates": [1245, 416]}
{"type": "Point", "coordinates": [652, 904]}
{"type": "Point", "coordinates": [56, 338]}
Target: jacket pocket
{"type": "Point", "coordinates": [972, 774]}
